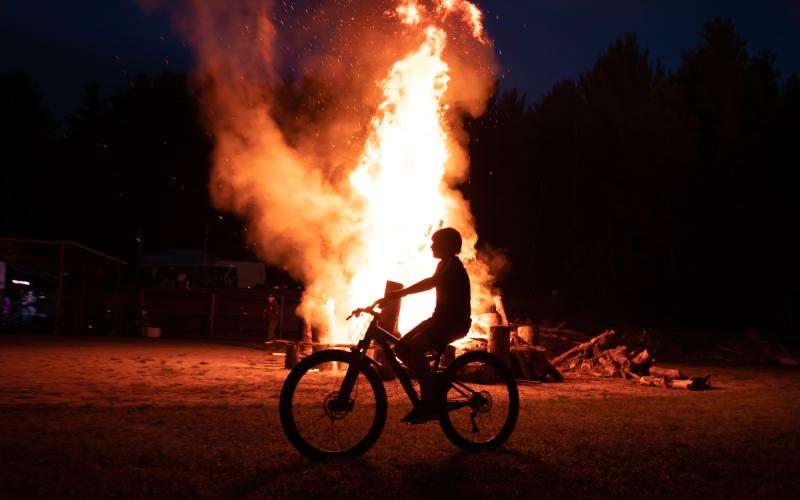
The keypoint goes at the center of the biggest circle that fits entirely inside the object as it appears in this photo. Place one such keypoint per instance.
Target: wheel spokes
(333, 423)
(477, 406)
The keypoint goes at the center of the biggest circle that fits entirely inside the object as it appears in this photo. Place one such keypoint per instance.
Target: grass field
(157, 418)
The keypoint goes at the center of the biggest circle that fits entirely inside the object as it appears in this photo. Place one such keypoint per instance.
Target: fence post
(60, 291)
(212, 314)
(280, 318)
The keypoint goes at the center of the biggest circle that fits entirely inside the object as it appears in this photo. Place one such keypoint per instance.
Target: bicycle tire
(305, 412)
(486, 374)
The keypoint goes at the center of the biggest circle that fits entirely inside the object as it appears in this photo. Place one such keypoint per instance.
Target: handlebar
(369, 310)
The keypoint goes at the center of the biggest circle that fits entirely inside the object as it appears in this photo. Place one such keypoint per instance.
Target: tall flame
(400, 176)
(344, 231)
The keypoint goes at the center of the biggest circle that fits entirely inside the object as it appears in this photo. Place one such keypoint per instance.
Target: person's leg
(271, 327)
(411, 350)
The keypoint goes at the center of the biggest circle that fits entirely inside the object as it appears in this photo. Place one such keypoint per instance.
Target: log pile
(602, 356)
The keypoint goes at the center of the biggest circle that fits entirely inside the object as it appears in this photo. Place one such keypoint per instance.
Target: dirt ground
(91, 417)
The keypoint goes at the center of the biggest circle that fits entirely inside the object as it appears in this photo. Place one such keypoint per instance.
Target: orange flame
(409, 12)
(344, 220)
(400, 174)
(469, 12)
(400, 177)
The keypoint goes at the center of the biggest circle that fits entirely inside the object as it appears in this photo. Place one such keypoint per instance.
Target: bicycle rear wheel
(315, 420)
(482, 401)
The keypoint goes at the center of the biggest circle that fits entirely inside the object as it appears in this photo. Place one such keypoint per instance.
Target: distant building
(57, 286)
(190, 268)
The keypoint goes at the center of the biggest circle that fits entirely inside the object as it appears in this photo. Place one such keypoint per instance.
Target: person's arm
(420, 286)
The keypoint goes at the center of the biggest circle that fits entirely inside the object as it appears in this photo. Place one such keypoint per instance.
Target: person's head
(446, 242)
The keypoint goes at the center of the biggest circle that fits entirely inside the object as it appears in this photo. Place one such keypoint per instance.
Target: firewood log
(641, 359)
(672, 373)
(572, 361)
(642, 362)
(651, 381)
(600, 339)
(680, 384)
(618, 356)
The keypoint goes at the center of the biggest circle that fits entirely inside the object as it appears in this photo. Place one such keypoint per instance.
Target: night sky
(63, 45)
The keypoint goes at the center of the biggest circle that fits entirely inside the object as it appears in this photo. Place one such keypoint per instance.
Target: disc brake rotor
(336, 409)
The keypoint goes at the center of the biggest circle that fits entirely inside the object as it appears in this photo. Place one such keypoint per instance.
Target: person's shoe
(424, 411)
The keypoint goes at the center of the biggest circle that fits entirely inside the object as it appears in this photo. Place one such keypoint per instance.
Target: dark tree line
(634, 193)
(121, 174)
(655, 197)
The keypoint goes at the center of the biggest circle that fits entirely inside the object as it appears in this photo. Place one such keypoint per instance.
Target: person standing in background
(5, 307)
(27, 307)
(273, 314)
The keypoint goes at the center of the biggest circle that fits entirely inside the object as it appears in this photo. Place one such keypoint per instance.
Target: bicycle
(333, 403)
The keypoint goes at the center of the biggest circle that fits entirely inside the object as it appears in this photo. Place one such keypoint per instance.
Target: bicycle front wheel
(321, 424)
(481, 401)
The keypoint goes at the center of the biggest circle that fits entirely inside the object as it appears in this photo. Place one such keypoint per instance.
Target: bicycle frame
(463, 384)
(384, 339)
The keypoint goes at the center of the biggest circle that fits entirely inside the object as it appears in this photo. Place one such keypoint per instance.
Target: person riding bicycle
(450, 320)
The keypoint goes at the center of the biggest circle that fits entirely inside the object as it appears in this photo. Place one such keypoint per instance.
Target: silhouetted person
(5, 307)
(28, 309)
(450, 320)
(272, 312)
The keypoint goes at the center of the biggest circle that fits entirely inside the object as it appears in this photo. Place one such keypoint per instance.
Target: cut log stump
(292, 356)
(389, 316)
(499, 342)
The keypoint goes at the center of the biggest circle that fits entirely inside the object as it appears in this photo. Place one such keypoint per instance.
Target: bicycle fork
(343, 401)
